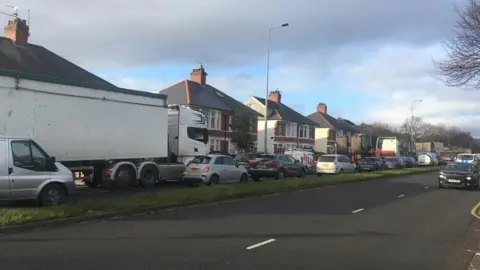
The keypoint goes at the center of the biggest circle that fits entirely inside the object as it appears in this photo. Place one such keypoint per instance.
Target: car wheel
(341, 171)
(280, 174)
(244, 178)
(302, 173)
(256, 178)
(52, 194)
(214, 180)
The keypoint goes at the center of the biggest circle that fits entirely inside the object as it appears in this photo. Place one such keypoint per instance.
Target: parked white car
(333, 164)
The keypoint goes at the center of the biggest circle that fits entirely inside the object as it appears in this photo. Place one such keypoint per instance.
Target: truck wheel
(52, 194)
(125, 177)
(149, 176)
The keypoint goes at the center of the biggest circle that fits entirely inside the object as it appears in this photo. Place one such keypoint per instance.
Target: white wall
(270, 134)
(321, 139)
(76, 123)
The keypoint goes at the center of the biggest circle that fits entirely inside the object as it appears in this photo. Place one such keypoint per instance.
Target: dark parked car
(410, 162)
(370, 164)
(459, 175)
(246, 159)
(276, 166)
(394, 162)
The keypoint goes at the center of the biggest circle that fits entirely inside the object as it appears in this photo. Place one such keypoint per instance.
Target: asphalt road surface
(401, 223)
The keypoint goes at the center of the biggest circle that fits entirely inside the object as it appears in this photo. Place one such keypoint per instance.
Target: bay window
(214, 145)
(214, 119)
(291, 130)
(304, 132)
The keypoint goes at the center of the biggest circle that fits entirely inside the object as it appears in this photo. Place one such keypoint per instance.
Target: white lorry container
(101, 134)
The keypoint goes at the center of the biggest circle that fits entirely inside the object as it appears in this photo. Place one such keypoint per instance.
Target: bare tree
(462, 66)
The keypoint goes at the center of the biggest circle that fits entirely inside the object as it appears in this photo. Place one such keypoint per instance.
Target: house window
(214, 145)
(304, 132)
(229, 123)
(340, 133)
(291, 130)
(214, 120)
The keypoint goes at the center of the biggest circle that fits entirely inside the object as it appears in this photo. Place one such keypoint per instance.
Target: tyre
(280, 174)
(244, 178)
(214, 180)
(149, 176)
(302, 173)
(52, 194)
(256, 178)
(341, 171)
(125, 177)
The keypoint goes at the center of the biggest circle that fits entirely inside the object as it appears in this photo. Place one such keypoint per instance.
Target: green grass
(184, 196)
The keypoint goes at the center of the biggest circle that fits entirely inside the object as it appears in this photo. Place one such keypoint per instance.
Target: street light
(268, 71)
(412, 143)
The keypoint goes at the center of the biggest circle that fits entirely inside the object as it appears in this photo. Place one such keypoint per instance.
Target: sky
(368, 60)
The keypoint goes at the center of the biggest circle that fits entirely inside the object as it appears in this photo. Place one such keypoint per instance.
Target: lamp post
(267, 74)
(412, 142)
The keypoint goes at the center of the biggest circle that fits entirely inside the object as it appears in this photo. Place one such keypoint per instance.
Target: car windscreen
(327, 159)
(264, 157)
(201, 160)
(458, 167)
(465, 157)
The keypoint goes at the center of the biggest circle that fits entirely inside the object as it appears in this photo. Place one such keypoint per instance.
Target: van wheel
(302, 173)
(52, 194)
(149, 176)
(125, 177)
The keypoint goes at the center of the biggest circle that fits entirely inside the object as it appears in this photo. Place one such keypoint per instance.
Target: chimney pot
(275, 96)
(199, 75)
(322, 108)
(18, 31)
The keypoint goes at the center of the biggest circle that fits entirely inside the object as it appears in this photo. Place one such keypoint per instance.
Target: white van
(332, 164)
(427, 159)
(27, 172)
(467, 158)
(307, 158)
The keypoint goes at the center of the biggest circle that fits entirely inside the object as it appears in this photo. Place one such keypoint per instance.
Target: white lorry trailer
(102, 134)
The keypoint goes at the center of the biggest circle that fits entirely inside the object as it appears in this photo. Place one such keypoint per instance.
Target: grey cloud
(121, 33)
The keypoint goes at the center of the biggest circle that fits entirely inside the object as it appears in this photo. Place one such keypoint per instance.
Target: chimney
(199, 75)
(322, 108)
(18, 31)
(275, 96)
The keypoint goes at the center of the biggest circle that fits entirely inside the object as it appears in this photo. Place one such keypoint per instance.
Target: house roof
(33, 62)
(346, 121)
(38, 60)
(327, 121)
(188, 92)
(281, 111)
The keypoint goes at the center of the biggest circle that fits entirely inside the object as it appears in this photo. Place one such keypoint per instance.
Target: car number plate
(325, 165)
(261, 166)
(453, 181)
(193, 169)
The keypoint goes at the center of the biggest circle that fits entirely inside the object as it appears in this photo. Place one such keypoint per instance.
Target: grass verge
(186, 196)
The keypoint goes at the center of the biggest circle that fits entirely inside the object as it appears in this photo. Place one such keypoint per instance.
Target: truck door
(28, 166)
(4, 181)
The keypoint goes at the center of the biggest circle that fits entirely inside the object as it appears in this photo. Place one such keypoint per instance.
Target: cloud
(120, 33)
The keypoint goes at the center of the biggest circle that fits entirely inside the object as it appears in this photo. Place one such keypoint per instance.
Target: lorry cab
(27, 172)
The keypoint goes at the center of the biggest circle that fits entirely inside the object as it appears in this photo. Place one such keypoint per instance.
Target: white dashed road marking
(261, 244)
(358, 210)
(402, 195)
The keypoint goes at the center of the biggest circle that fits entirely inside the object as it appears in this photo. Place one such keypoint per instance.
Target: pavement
(399, 223)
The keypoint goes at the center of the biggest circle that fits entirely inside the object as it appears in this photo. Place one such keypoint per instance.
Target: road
(401, 223)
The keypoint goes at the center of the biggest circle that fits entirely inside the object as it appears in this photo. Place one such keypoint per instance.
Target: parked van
(467, 158)
(427, 159)
(307, 158)
(329, 164)
(27, 172)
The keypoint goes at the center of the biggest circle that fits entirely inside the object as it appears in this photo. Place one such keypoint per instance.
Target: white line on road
(426, 187)
(358, 210)
(261, 244)
(402, 195)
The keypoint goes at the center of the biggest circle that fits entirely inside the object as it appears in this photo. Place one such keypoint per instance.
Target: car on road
(369, 164)
(459, 175)
(467, 158)
(334, 164)
(277, 166)
(410, 162)
(214, 169)
(394, 162)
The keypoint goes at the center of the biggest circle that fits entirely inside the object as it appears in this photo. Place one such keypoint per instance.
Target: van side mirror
(51, 163)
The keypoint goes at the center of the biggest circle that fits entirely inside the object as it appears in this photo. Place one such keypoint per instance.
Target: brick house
(217, 106)
(287, 129)
(328, 128)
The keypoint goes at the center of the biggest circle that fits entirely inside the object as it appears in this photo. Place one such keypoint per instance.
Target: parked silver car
(214, 169)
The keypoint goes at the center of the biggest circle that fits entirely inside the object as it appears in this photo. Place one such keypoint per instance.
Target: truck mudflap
(171, 171)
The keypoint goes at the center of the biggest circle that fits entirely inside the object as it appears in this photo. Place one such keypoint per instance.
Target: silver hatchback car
(214, 169)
